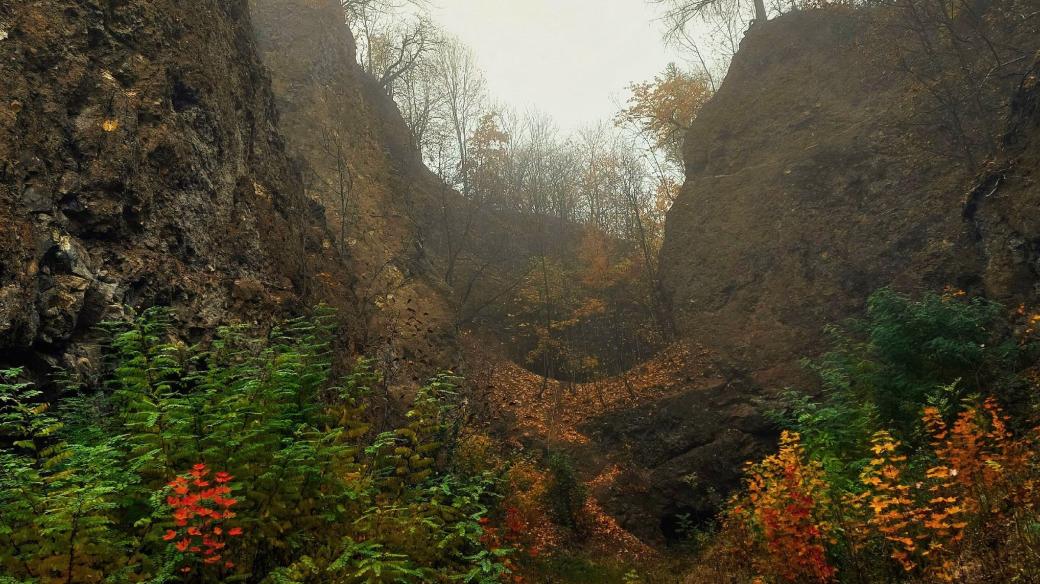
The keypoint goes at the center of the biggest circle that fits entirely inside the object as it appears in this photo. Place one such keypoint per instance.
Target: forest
(311, 291)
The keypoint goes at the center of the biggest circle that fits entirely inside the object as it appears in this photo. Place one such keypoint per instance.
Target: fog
(571, 59)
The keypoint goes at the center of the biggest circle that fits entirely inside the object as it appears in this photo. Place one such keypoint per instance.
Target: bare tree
(461, 85)
(420, 102)
(398, 50)
(334, 148)
(681, 13)
(389, 40)
(710, 31)
(595, 145)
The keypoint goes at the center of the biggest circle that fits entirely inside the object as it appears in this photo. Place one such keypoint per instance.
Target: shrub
(869, 493)
(239, 459)
(905, 353)
(201, 509)
(785, 508)
(566, 493)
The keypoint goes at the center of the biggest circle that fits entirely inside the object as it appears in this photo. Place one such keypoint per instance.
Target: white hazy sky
(572, 59)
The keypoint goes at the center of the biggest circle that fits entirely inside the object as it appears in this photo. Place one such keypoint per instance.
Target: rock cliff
(141, 164)
(360, 165)
(811, 182)
(1004, 208)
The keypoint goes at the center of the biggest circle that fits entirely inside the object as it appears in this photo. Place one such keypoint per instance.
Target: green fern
(320, 497)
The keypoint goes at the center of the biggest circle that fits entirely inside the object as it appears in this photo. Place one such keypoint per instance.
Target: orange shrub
(981, 477)
(917, 535)
(528, 517)
(785, 507)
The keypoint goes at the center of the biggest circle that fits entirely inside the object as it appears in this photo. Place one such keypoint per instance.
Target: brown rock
(810, 184)
(141, 143)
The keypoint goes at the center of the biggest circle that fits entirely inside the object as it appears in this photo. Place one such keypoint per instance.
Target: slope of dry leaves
(532, 411)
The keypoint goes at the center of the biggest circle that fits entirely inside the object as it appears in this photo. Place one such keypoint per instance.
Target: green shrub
(883, 368)
(566, 493)
(86, 494)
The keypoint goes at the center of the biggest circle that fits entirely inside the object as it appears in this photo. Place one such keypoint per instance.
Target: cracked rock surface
(140, 164)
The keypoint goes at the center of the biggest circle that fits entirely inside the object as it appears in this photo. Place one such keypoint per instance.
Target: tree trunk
(760, 11)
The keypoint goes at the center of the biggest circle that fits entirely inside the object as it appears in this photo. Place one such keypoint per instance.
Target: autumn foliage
(783, 507)
(666, 107)
(953, 498)
(980, 486)
(200, 506)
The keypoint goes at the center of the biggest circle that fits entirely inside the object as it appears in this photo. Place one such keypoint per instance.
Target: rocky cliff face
(141, 164)
(359, 163)
(810, 183)
(682, 455)
(1004, 209)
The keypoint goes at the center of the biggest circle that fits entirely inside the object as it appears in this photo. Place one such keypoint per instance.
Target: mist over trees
(619, 177)
(609, 182)
(443, 97)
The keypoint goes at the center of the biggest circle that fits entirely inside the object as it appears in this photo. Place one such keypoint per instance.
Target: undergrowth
(245, 459)
(920, 461)
(239, 460)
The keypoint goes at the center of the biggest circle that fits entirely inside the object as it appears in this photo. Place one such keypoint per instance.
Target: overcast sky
(572, 59)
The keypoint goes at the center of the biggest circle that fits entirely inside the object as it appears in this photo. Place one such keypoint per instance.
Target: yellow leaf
(110, 125)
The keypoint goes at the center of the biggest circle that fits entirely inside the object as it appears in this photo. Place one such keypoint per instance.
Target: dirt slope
(141, 164)
(667, 438)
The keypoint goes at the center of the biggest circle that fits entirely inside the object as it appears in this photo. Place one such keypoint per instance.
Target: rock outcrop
(360, 164)
(1004, 208)
(811, 182)
(681, 455)
(141, 164)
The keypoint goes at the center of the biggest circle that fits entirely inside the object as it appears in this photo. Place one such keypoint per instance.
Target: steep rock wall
(141, 164)
(1004, 209)
(810, 183)
(359, 162)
